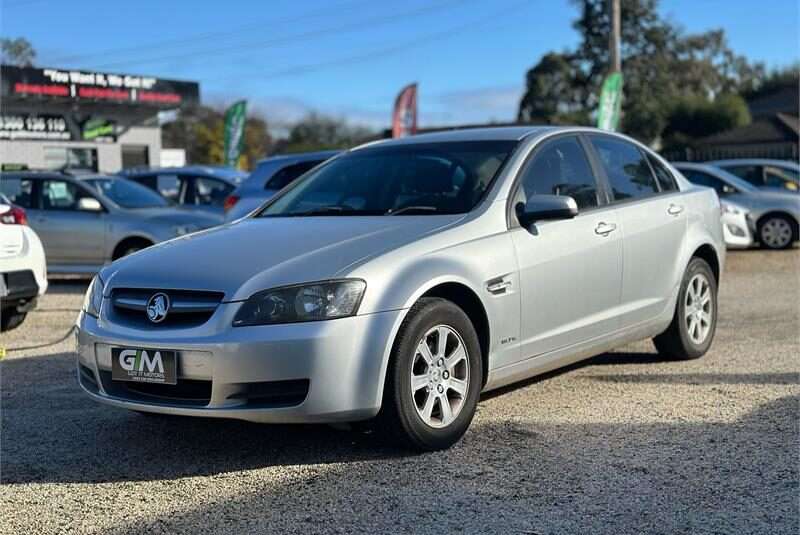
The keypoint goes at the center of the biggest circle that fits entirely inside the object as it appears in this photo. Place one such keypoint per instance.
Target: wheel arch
(127, 241)
(707, 252)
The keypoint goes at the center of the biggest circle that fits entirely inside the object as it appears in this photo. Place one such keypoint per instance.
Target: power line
(418, 41)
(343, 28)
(206, 36)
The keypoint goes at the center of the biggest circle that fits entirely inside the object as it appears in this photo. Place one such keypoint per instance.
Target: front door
(570, 270)
(69, 235)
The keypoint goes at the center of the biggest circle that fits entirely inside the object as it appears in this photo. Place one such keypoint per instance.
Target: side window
(61, 195)
(665, 179)
(18, 190)
(168, 186)
(290, 173)
(778, 178)
(561, 168)
(209, 191)
(628, 173)
(704, 179)
(751, 173)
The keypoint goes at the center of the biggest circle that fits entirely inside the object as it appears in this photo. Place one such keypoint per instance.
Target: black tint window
(211, 192)
(627, 170)
(289, 173)
(751, 173)
(665, 179)
(704, 179)
(561, 168)
(18, 190)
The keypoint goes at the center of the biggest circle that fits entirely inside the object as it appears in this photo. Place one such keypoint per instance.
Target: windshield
(126, 193)
(414, 179)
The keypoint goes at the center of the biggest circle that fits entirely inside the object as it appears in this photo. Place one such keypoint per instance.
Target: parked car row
(767, 215)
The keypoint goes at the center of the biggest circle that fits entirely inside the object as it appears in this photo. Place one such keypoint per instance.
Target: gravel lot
(624, 443)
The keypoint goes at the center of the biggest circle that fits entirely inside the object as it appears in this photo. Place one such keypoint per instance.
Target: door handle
(604, 229)
(674, 209)
(498, 286)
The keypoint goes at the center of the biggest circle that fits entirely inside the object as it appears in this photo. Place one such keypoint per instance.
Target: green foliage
(200, 131)
(318, 132)
(17, 51)
(661, 66)
(696, 117)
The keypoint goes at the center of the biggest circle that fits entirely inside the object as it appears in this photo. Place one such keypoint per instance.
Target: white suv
(23, 269)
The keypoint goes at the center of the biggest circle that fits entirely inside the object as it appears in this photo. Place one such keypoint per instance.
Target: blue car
(199, 187)
(269, 176)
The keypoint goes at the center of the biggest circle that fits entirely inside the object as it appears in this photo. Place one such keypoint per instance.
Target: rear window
(665, 179)
(18, 190)
(290, 173)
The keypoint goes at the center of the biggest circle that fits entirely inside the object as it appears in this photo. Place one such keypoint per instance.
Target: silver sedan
(398, 280)
(87, 222)
(750, 215)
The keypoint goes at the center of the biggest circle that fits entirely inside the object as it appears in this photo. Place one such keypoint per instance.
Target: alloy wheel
(440, 376)
(698, 309)
(776, 233)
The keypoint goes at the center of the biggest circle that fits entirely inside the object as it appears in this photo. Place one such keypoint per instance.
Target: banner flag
(610, 102)
(404, 118)
(234, 132)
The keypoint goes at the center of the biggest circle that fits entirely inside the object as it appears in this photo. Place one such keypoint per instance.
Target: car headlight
(94, 297)
(728, 208)
(303, 302)
(181, 230)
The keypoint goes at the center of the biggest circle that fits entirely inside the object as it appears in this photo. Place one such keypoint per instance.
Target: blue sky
(350, 57)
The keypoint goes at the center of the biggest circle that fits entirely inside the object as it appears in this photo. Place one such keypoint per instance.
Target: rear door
(654, 221)
(69, 235)
(570, 270)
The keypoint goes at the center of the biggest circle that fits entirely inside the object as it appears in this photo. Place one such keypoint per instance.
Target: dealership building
(76, 119)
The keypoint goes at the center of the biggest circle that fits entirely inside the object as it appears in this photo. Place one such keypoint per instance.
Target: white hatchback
(23, 268)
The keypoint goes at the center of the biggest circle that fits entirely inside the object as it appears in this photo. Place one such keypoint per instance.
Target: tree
(661, 65)
(693, 118)
(17, 51)
(318, 132)
(200, 131)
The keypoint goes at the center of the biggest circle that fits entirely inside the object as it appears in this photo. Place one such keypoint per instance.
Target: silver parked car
(400, 279)
(776, 175)
(271, 175)
(88, 221)
(750, 215)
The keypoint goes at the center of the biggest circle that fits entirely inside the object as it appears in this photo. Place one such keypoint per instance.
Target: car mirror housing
(89, 204)
(545, 207)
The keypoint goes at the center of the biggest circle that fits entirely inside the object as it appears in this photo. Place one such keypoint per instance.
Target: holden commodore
(399, 280)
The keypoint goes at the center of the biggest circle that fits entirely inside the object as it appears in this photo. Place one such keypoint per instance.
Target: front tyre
(434, 377)
(776, 232)
(692, 329)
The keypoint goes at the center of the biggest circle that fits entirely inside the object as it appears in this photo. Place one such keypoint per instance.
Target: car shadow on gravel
(52, 432)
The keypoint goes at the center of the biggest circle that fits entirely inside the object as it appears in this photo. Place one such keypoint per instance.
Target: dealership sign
(90, 86)
(50, 127)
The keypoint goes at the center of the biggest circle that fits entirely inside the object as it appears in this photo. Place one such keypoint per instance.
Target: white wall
(109, 155)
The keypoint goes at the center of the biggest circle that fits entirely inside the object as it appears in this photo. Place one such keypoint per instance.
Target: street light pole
(614, 38)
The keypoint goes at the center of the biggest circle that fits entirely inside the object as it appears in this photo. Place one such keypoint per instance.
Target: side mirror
(544, 207)
(89, 204)
(727, 189)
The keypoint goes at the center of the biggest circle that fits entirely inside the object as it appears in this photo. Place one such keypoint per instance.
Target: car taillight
(14, 216)
(230, 202)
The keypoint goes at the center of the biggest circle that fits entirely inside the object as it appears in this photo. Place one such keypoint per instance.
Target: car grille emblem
(158, 307)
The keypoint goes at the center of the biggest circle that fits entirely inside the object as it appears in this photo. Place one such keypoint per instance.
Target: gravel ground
(624, 443)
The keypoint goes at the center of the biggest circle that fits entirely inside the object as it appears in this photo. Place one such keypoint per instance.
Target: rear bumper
(329, 371)
(19, 289)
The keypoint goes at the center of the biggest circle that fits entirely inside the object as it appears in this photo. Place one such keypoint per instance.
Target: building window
(135, 156)
(70, 158)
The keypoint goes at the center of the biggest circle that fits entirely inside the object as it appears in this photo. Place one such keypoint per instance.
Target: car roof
(225, 173)
(500, 133)
(298, 157)
(34, 174)
(756, 161)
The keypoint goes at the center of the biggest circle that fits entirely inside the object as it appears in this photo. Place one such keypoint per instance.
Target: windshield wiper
(407, 209)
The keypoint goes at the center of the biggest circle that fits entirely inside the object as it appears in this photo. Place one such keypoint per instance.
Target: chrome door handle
(604, 229)
(674, 209)
(498, 286)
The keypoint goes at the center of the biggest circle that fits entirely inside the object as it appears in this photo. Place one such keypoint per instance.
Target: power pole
(614, 38)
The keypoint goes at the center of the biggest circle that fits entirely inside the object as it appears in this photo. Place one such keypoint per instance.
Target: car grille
(188, 308)
(186, 392)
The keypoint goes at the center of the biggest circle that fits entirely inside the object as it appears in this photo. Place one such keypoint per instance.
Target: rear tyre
(776, 232)
(434, 377)
(692, 329)
(11, 319)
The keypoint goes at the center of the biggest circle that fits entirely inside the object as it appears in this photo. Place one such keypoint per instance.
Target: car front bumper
(327, 371)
